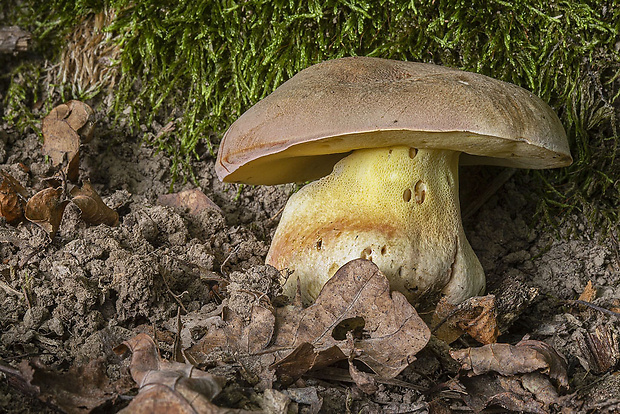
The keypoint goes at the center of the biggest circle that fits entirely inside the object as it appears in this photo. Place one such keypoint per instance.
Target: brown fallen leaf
(238, 335)
(527, 393)
(78, 391)
(169, 387)
(475, 316)
(391, 331)
(12, 198)
(526, 356)
(385, 330)
(94, 210)
(64, 128)
(516, 377)
(194, 201)
(45, 208)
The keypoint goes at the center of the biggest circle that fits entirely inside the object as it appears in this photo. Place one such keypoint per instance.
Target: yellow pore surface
(395, 206)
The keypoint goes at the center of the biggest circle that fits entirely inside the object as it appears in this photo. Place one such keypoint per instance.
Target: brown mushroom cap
(325, 111)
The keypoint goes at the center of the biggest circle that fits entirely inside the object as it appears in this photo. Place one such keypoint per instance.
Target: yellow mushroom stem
(398, 207)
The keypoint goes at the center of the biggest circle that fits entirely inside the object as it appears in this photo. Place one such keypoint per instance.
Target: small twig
(336, 374)
(593, 306)
(204, 273)
(26, 259)
(26, 355)
(272, 218)
(176, 297)
(227, 258)
(258, 296)
(10, 371)
(10, 290)
(26, 297)
(177, 351)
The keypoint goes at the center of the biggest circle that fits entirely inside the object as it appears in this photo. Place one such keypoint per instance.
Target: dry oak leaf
(63, 129)
(45, 208)
(237, 335)
(12, 198)
(387, 330)
(169, 387)
(94, 210)
(505, 359)
(194, 201)
(476, 316)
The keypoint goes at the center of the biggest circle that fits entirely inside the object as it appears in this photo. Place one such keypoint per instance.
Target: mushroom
(383, 140)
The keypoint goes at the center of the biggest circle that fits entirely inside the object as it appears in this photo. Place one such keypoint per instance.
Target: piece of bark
(13, 39)
(477, 316)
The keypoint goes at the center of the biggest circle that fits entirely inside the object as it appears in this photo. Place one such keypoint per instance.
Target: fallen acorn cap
(390, 135)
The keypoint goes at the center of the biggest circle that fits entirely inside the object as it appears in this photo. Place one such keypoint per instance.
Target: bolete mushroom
(386, 138)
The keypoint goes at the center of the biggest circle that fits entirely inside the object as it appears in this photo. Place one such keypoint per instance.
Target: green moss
(202, 63)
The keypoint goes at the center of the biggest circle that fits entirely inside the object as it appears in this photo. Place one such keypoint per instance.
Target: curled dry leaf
(517, 378)
(238, 335)
(169, 387)
(194, 201)
(526, 393)
(94, 210)
(63, 129)
(45, 208)
(524, 357)
(12, 198)
(475, 316)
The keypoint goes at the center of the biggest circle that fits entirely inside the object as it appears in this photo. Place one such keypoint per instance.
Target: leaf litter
(158, 259)
(64, 129)
(166, 387)
(291, 340)
(525, 377)
(13, 198)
